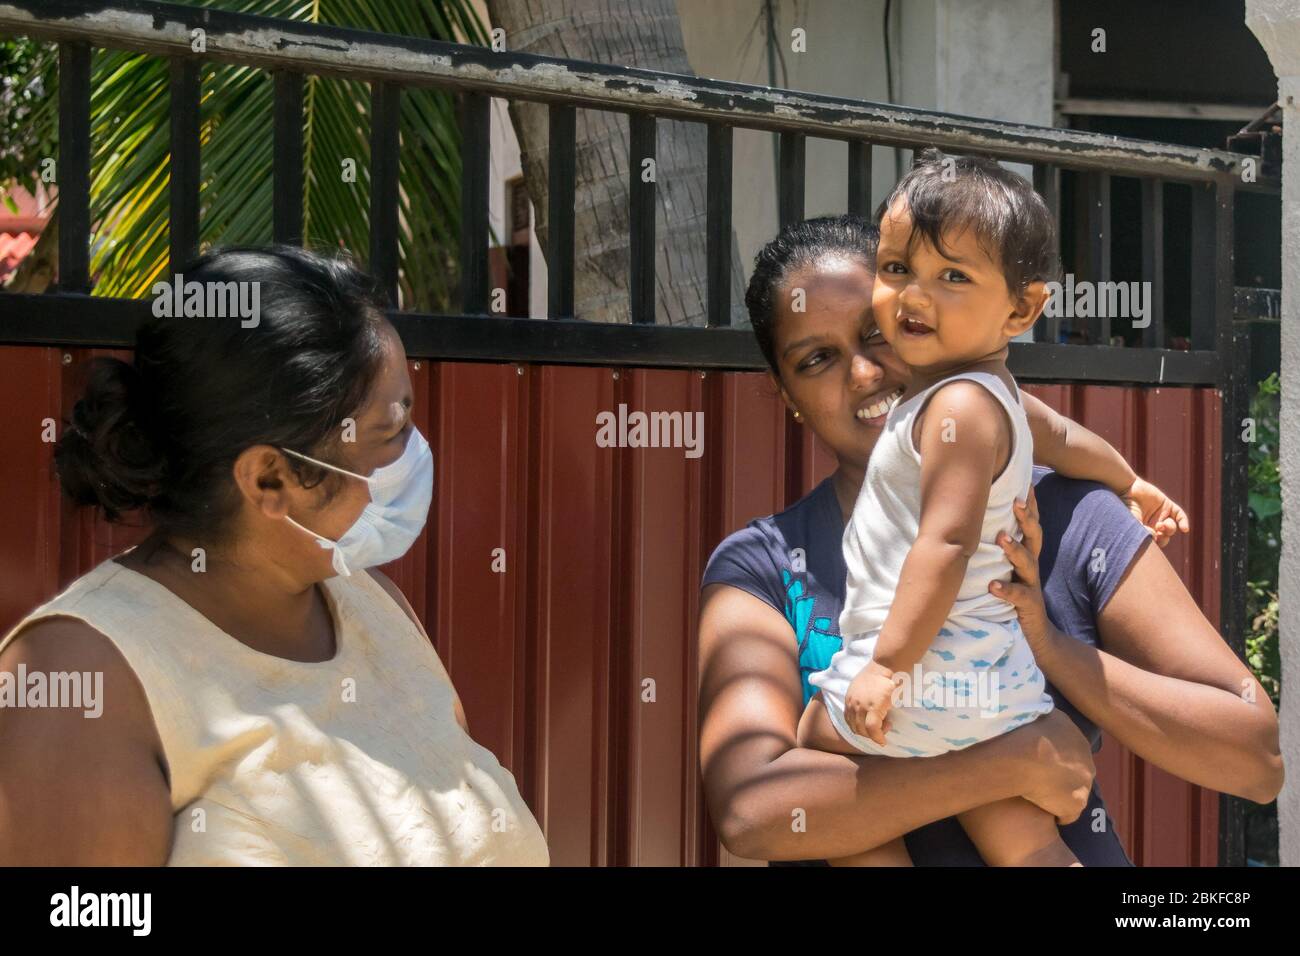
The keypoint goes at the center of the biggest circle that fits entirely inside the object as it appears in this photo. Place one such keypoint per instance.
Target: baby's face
(940, 311)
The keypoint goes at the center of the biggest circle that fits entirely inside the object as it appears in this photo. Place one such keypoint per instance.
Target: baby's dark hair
(161, 432)
(950, 193)
(798, 245)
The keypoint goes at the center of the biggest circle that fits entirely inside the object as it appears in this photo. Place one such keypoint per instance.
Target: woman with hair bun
(268, 697)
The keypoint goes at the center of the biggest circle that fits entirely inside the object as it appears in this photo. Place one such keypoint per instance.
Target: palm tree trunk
(650, 38)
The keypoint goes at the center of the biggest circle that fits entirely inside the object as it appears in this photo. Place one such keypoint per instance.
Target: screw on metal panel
(519, 370)
(703, 374)
(616, 374)
(416, 366)
(67, 358)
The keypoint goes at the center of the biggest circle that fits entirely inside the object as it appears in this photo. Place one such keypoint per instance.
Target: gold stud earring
(797, 416)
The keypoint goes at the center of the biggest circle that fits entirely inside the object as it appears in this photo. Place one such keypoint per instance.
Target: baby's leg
(816, 732)
(1015, 832)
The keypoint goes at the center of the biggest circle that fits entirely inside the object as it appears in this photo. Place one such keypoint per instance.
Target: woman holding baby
(899, 359)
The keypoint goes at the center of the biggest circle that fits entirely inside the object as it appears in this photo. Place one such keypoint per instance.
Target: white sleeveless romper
(978, 678)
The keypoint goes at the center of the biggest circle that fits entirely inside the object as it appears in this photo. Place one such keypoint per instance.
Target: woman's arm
(756, 779)
(1167, 687)
(78, 790)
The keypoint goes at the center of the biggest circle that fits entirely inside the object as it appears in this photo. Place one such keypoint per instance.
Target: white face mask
(400, 494)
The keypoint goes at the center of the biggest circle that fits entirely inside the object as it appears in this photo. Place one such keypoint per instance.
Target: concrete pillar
(1276, 23)
(994, 58)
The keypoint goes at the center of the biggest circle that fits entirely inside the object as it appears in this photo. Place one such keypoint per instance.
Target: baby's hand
(867, 703)
(1156, 510)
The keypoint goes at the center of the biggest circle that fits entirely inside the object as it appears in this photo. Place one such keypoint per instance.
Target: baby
(966, 249)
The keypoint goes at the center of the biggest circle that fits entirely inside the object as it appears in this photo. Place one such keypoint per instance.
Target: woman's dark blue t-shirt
(794, 562)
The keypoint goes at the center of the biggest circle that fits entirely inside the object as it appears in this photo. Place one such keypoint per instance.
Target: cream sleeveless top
(358, 760)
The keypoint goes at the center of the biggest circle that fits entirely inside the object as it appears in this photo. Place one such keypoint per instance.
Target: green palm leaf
(131, 153)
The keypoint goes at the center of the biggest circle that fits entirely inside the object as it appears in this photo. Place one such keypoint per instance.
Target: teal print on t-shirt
(816, 643)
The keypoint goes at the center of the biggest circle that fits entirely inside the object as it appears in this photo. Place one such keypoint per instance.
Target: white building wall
(1276, 23)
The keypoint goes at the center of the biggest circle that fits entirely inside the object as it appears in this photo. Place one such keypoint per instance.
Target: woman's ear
(264, 480)
(780, 390)
(1028, 306)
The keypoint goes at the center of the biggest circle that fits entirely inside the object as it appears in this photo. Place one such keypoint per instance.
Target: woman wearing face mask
(268, 697)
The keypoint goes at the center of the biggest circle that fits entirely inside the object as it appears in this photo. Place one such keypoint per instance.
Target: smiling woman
(1124, 649)
(269, 697)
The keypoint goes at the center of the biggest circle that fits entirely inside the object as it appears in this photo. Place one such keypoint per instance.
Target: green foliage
(1265, 539)
(24, 66)
(130, 159)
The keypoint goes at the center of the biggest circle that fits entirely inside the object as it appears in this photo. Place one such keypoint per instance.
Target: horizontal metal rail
(278, 44)
(92, 322)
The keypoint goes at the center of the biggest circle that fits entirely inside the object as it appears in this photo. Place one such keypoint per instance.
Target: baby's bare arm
(964, 436)
(1064, 445)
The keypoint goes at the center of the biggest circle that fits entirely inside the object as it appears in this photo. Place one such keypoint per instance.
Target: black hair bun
(106, 456)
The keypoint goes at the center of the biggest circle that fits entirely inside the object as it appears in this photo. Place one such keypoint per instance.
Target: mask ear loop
(324, 464)
(336, 557)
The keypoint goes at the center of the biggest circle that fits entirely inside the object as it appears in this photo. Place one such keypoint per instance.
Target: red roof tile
(14, 247)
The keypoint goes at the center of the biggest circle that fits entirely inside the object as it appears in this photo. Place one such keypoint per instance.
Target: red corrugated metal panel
(30, 380)
(573, 576)
(657, 605)
(1170, 436)
(603, 550)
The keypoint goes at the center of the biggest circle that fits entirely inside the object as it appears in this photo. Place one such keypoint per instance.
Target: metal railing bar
(1153, 259)
(287, 174)
(561, 182)
(641, 217)
(184, 173)
(475, 170)
(1098, 224)
(790, 180)
(385, 140)
(1211, 267)
(1047, 183)
(102, 322)
(272, 43)
(860, 179)
(73, 167)
(718, 225)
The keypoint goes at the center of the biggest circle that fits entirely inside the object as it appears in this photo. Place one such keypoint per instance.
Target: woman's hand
(1158, 513)
(1057, 769)
(1025, 591)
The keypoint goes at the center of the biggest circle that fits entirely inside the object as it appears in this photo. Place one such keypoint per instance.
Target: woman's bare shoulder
(83, 780)
(60, 644)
